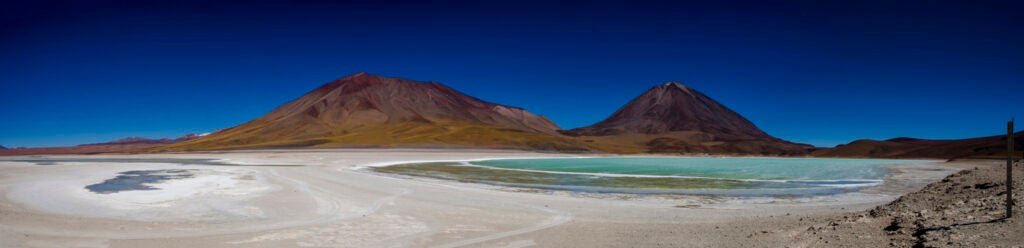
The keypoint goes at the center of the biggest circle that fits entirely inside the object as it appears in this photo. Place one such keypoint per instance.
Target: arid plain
(325, 198)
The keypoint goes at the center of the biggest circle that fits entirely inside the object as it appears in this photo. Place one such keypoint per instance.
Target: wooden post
(1009, 169)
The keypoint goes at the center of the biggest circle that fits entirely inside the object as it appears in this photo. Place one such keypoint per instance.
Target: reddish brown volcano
(675, 118)
(364, 100)
(370, 110)
(673, 107)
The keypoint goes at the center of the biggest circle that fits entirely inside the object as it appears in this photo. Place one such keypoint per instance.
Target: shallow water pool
(683, 175)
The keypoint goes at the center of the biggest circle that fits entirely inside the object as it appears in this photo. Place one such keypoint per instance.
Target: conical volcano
(675, 118)
(370, 110)
(673, 107)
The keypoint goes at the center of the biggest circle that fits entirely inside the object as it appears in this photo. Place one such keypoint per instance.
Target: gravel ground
(965, 209)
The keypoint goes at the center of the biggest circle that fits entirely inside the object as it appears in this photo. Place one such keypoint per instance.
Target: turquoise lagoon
(671, 175)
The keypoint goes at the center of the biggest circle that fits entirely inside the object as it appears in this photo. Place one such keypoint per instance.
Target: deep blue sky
(819, 72)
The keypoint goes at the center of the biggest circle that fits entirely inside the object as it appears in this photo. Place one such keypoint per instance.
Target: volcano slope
(673, 118)
(369, 110)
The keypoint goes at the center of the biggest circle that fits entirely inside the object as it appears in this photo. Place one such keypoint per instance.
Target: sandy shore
(327, 201)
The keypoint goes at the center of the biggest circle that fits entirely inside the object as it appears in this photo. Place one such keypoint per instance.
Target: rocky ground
(965, 209)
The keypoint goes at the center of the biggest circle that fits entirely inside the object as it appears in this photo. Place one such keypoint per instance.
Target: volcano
(672, 118)
(370, 110)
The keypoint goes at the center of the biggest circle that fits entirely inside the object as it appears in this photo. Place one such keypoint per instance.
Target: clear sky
(818, 72)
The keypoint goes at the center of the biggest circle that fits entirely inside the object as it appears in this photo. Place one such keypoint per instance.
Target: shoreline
(325, 202)
(893, 183)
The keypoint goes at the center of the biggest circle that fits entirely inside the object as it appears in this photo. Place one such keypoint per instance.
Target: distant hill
(124, 145)
(984, 147)
(673, 118)
(141, 141)
(3, 148)
(371, 110)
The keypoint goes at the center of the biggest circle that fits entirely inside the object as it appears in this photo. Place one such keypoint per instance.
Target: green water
(714, 176)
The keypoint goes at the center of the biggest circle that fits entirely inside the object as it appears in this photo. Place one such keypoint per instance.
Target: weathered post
(1009, 169)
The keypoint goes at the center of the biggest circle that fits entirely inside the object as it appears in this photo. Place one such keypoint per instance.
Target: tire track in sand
(560, 217)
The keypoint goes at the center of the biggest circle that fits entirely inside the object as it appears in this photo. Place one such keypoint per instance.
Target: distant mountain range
(125, 145)
(984, 147)
(365, 110)
(370, 110)
(142, 141)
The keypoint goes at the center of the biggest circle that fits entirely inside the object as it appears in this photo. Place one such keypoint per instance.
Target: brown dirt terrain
(965, 209)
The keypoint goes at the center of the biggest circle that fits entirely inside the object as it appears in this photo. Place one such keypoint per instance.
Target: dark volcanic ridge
(983, 147)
